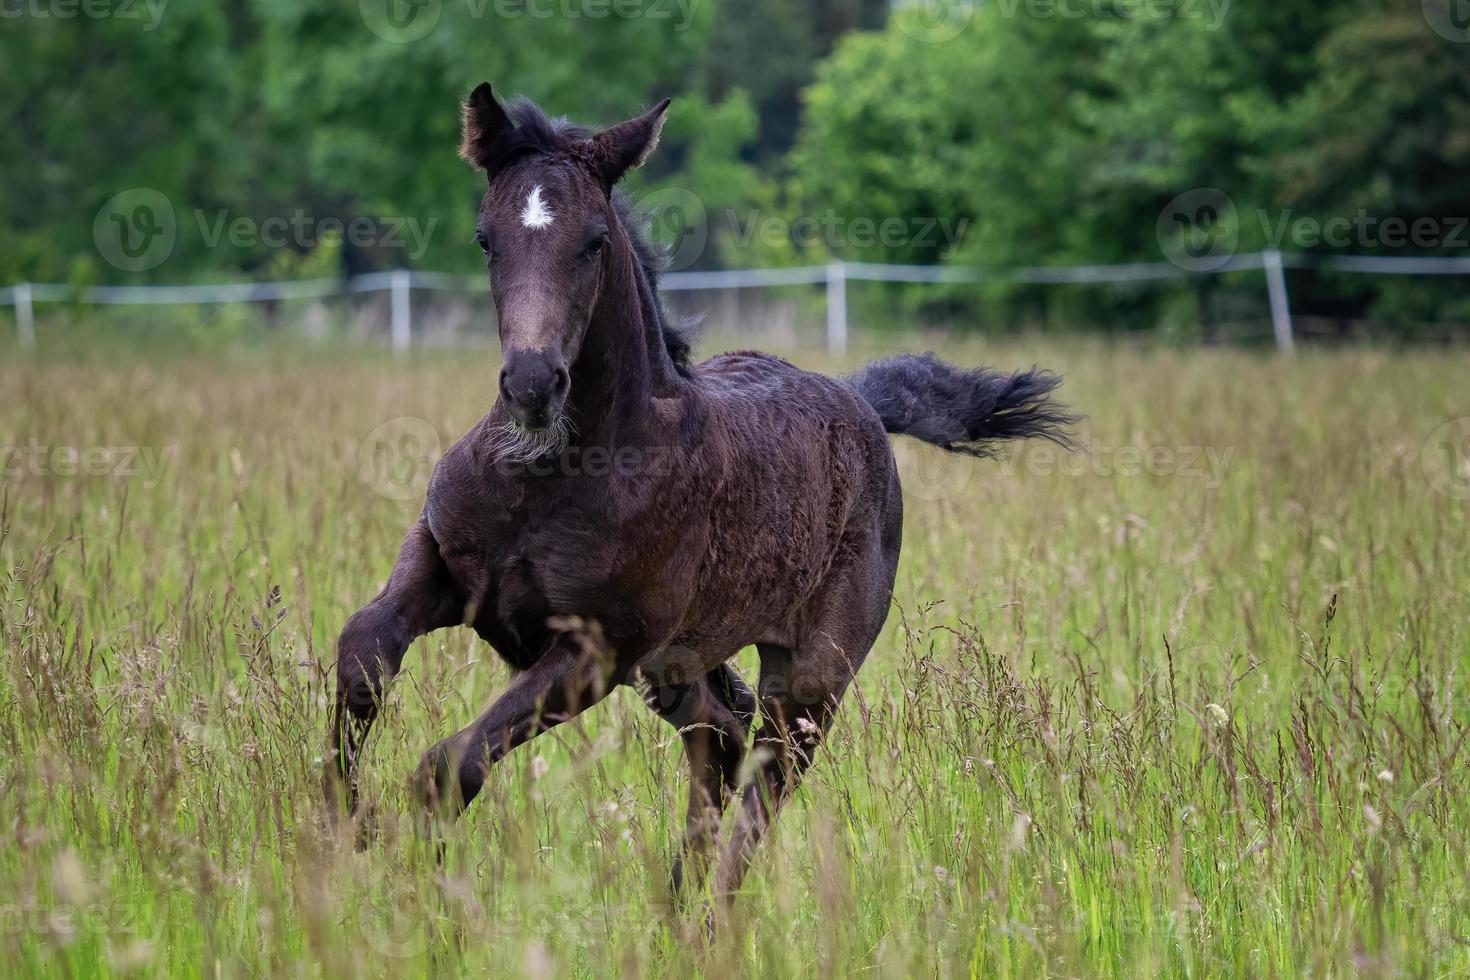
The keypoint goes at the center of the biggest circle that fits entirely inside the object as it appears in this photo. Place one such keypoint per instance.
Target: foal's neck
(624, 363)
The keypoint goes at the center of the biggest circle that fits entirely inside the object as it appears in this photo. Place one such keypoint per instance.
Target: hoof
(443, 786)
(435, 783)
(368, 828)
(706, 924)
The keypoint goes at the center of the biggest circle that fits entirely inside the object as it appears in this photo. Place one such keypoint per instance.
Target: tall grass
(1189, 703)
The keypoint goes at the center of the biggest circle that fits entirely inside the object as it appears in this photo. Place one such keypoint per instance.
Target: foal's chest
(526, 552)
(524, 580)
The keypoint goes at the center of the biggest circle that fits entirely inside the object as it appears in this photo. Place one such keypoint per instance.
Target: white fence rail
(400, 283)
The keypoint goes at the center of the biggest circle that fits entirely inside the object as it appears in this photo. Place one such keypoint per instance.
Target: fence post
(399, 287)
(1280, 301)
(25, 316)
(837, 309)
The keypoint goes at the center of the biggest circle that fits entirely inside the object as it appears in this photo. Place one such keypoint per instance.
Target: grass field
(1191, 702)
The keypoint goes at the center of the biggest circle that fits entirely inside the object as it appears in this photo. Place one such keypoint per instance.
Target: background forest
(1018, 132)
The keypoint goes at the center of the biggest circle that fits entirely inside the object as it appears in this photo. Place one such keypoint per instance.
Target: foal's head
(545, 224)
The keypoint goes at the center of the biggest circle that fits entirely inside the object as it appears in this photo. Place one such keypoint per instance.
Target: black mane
(536, 132)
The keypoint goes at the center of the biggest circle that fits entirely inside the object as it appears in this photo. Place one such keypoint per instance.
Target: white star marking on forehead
(536, 214)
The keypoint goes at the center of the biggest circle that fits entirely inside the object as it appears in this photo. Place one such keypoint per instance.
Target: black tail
(964, 411)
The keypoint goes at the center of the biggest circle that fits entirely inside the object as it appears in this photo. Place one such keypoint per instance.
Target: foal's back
(806, 483)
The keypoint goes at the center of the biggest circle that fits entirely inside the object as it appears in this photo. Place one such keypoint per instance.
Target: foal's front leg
(567, 680)
(418, 599)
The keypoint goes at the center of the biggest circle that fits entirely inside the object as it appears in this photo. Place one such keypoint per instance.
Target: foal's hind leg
(800, 688)
(713, 715)
(417, 600)
(797, 706)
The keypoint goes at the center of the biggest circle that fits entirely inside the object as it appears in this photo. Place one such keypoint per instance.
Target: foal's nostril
(561, 381)
(504, 388)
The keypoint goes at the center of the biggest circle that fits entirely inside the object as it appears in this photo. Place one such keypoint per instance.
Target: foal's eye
(594, 247)
(483, 242)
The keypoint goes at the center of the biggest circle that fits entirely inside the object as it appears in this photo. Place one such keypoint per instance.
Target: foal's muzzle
(535, 387)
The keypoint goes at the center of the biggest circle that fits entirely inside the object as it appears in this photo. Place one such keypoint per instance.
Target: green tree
(1064, 139)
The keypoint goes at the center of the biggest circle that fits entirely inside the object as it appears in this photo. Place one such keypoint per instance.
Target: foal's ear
(627, 146)
(484, 126)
